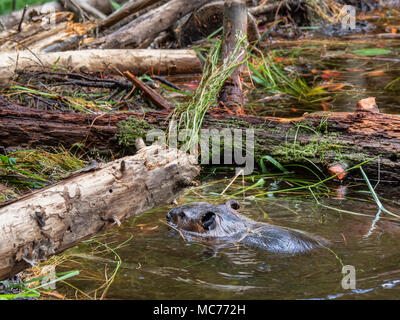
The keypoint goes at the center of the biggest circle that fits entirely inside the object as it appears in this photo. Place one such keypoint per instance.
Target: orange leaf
(329, 74)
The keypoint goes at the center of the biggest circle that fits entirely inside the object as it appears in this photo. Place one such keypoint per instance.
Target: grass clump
(190, 115)
(34, 168)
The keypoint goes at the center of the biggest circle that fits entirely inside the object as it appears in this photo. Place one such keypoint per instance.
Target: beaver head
(209, 220)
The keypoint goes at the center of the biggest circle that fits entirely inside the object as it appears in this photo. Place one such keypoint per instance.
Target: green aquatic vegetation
(272, 78)
(34, 168)
(368, 52)
(80, 102)
(190, 115)
(25, 291)
(393, 85)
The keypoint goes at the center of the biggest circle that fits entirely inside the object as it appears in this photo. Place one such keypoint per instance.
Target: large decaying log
(55, 218)
(323, 138)
(138, 61)
(140, 32)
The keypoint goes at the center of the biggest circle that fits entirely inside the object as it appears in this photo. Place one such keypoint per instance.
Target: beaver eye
(233, 204)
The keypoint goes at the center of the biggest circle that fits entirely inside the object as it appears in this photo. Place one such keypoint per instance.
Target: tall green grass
(190, 115)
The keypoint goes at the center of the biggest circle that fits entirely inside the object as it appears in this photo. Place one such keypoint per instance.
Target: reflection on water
(159, 264)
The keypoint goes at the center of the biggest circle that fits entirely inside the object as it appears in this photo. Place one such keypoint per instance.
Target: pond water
(158, 264)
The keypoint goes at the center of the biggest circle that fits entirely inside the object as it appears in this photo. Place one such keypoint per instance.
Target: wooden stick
(22, 19)
(153, 96)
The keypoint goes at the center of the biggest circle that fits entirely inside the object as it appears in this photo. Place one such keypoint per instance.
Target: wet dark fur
(215, 224)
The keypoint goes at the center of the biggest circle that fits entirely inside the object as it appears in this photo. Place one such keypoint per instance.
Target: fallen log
(85, 8)
(323, 138)
(55, 218)
(45, 32)
(138, 61)
(140, 32)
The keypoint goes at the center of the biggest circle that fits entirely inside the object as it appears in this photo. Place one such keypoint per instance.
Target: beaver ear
(208, 220)
(233, 204)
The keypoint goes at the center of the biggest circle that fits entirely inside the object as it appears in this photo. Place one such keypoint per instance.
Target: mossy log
(55, 218)
(323, 138)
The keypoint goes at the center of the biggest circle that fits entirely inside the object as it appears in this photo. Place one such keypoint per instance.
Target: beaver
(221, 224)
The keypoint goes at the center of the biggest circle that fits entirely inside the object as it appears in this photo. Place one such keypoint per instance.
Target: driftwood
(85, 8)
(141, 32)
(129, 8)
(323, 138)
(55, 218)
(50, 32)
(272, 7)
(138, 61)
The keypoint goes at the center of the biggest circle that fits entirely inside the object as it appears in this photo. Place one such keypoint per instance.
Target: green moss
(131, 129)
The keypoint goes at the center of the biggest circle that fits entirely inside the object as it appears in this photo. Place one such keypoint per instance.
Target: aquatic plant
(25, 289)
(33, 168)
(271, 77)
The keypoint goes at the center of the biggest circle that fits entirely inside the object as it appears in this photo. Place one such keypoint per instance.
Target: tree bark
(235, 26)
(323, 138)
(55, 218)
(205, 21)
(141, 31)
(138, 61)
